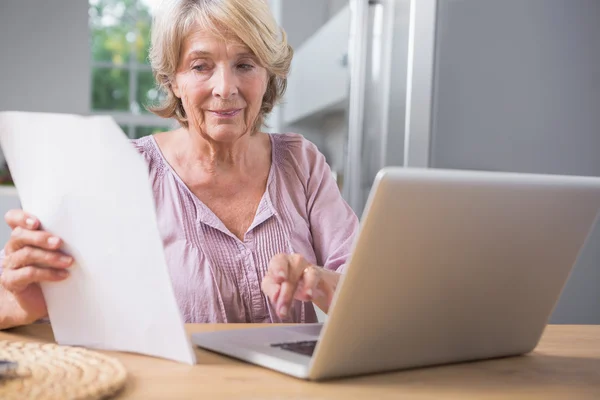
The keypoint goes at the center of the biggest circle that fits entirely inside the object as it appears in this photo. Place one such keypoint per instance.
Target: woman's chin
(226, 134)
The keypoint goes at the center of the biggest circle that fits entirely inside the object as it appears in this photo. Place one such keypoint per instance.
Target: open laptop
(448, 266)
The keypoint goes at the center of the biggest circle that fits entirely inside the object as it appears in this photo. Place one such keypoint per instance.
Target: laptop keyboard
(306, 347)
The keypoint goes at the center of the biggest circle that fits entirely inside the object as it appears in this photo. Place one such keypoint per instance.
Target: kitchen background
(506, 85)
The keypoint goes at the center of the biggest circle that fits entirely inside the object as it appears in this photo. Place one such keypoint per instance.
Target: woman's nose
(225, 84)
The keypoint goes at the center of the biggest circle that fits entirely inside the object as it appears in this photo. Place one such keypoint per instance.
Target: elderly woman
(253, 224)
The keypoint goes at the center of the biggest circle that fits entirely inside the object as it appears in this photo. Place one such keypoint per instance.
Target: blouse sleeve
(333, 223)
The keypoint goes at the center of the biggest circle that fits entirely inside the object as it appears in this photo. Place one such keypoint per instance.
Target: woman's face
(221, 85)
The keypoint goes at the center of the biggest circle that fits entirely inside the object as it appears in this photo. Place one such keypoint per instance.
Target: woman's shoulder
(293, 150)
(147, 148)
(294, 142)
(143, 145)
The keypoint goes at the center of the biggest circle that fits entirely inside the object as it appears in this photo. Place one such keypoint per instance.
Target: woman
(253, 225)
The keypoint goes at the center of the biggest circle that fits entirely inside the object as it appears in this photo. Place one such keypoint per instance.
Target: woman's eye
(200, 68)
(245, 67)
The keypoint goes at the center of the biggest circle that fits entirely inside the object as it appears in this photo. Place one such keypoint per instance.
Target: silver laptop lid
(453, 266)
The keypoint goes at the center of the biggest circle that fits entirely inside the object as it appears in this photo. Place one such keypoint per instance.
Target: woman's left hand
(291, 277)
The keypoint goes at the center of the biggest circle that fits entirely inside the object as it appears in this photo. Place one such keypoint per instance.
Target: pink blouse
(216, 277)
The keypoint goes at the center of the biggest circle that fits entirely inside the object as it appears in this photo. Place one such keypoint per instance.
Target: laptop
(448, 266)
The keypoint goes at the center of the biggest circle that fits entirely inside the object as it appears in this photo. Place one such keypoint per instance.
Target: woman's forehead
(208, 40)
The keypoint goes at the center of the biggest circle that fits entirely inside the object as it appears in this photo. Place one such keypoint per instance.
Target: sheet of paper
(88, 185)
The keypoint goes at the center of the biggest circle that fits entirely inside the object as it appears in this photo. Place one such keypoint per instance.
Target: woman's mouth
(226, 113)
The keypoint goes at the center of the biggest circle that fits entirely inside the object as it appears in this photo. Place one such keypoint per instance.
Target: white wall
(45, 56)
(336, 5)
(300, 19)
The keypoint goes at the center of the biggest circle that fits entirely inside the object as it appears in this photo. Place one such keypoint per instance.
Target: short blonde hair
(249, 21)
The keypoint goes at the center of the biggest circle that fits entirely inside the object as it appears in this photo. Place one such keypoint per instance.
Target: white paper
(88, 185)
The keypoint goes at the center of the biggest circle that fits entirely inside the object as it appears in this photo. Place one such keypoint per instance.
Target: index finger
(296, 265)
(19, 218)
(279, 268)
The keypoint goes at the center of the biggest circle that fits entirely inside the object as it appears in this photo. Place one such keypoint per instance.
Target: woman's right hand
(31, 256)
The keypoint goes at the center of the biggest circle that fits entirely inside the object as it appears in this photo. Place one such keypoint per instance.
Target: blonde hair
(249, 21)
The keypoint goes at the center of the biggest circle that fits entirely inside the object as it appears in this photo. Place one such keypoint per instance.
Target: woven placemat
(51, 371)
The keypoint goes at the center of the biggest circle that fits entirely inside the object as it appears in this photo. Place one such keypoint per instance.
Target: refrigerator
(505, 85)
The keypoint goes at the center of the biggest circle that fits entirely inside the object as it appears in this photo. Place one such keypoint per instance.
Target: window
(122, 81)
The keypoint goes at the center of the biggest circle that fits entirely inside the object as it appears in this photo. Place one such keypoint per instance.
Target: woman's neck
(204, 162)
(216, 157)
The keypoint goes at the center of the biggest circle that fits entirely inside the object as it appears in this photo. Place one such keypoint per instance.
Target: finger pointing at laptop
(291, 277)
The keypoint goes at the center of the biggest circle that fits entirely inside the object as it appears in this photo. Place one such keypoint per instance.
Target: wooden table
(565, 365)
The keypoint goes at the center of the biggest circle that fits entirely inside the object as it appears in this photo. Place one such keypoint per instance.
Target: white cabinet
(318, 80)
